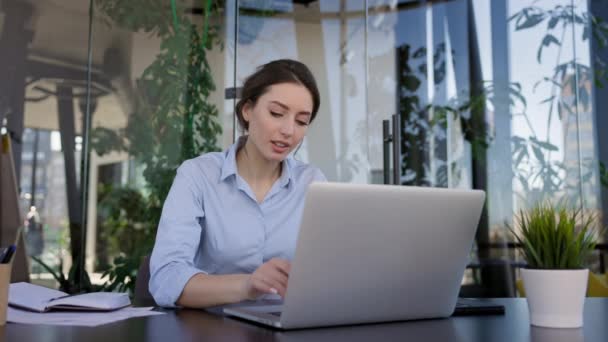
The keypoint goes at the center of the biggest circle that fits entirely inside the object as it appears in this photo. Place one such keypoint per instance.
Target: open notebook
(41, 299)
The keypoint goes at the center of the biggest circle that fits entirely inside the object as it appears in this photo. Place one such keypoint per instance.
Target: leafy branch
(603, 174)
(173, 120)
(71, 283)
(558, 20)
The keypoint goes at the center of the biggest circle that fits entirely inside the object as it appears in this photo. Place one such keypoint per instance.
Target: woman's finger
(282, 265)
(267, 285)
(274, 275)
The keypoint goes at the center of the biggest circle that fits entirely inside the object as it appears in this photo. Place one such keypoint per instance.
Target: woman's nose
(287, 127)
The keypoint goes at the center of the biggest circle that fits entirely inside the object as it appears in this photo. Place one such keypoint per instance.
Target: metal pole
(85, 156)
(34, 167)
(396, 149)
(386, 141)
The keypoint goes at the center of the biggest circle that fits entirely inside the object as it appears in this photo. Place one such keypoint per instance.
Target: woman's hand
(270, 277)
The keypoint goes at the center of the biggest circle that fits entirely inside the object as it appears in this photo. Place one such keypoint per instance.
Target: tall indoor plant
(173, 120)
(556, 244)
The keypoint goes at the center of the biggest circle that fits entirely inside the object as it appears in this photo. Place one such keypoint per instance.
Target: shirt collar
(229, 165)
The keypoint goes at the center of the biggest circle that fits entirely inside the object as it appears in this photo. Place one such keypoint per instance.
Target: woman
(230, 222)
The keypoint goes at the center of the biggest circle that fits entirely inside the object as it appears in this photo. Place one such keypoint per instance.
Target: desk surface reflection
(191, 325)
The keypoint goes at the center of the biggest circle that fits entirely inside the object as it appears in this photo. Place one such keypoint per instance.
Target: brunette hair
(275, 72)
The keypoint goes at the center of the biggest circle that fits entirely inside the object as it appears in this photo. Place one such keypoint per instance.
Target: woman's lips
(279, 146)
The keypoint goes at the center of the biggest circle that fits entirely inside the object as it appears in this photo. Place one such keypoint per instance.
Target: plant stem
(174, 11)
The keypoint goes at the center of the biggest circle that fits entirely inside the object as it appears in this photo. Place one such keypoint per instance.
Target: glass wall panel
(499, 95)
(599, 58)
(491, 95)
(329, 37)
(170, 69)
(43, 59)
(538, 80)
(44, 201)
(589, 73)
(419, 69)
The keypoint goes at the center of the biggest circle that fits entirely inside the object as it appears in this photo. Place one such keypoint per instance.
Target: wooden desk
(190, 325)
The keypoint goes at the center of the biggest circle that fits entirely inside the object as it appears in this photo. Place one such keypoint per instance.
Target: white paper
(88, 319)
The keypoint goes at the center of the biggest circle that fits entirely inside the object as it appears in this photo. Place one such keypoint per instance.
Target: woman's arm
(205, 290)
(178, 236)
(175, 279)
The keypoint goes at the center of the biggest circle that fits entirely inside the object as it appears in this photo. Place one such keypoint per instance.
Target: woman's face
(279, 120)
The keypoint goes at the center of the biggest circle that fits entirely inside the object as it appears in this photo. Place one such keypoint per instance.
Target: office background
(104, 99)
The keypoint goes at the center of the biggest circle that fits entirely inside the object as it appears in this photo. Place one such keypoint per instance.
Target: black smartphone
(477, 306)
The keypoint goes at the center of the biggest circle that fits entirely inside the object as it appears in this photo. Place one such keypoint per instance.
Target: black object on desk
(7, 254)
(477, 306)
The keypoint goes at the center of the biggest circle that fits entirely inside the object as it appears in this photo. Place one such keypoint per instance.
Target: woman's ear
(246, 111)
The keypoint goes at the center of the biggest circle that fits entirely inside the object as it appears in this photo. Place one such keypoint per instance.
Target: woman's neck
(257, 171)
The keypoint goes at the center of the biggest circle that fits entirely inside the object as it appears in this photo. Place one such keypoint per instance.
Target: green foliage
(421, 121)
(150, 16)
(173, 121)
(71, 283)
(555, 237)
(123, 274)
(128, 222)
(603, 174)
(539, 175)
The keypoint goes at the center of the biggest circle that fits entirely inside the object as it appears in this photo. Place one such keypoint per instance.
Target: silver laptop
(375, 253)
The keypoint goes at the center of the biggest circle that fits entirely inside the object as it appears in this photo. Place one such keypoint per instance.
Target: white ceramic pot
(556, 297)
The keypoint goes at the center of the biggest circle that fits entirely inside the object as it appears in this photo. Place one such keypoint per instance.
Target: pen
(6, 258)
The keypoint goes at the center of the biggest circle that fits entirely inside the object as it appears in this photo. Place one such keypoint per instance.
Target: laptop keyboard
(276, 313)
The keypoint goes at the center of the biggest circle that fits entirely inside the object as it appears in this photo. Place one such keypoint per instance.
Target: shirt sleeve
(178, 237)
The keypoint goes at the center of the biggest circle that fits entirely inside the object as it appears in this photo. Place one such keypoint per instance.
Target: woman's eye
(302, 123)
(276, 115)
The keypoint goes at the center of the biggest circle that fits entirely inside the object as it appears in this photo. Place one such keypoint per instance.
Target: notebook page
(32, 297)
(94, 300)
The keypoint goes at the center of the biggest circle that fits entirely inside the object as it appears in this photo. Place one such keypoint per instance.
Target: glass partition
(43, 63)
(419, 69)
(329, 37)
(503, 95)
(491, 95)
(170, 66)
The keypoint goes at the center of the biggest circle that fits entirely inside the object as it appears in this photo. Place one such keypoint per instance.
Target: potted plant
(556, 242)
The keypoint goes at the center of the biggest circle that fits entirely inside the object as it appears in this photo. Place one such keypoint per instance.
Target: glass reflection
(168, 69)
(329, 37)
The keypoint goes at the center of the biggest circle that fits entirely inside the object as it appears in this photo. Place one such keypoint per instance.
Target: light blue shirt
(211, 222)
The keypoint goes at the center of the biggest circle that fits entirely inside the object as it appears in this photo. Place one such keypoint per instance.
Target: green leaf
(56, 274)
(548, 100)
(528, 21)
(538, 154)
(554, 237)
(410, 82)
(547, 40)
(603, 174)
(552, 22)
(544, 144)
